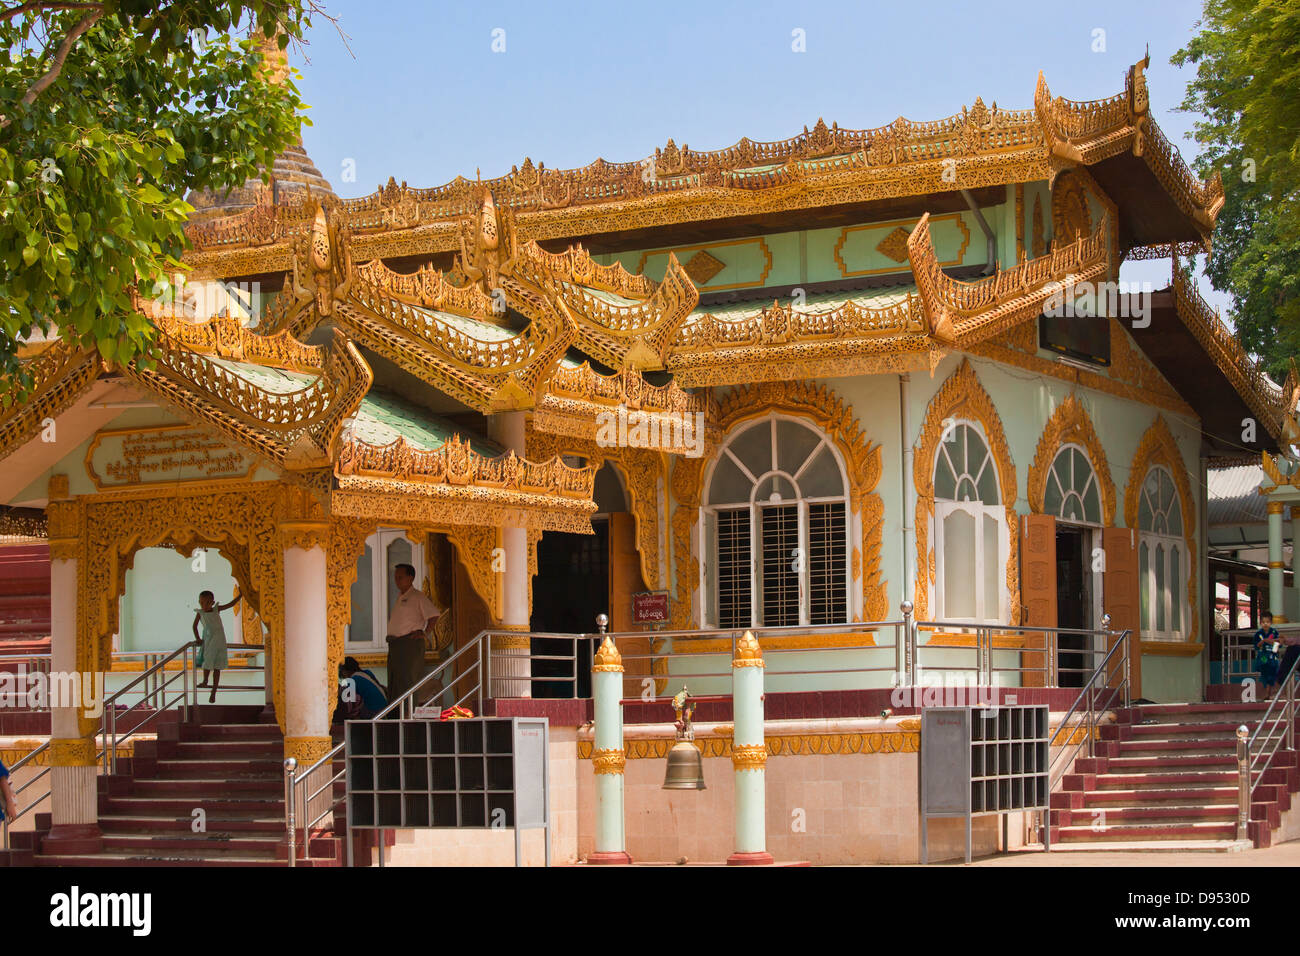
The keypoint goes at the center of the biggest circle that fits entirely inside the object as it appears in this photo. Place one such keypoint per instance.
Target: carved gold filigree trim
(962, 397)
(748, 756)
(72, 752)
(1071, 425)
(611, 760)
(907, 740)
(863, 463)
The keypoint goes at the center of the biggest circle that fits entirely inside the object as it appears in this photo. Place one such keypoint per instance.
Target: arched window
(1163, 562)
(1072, 493)
(970, 529)
(776, 529)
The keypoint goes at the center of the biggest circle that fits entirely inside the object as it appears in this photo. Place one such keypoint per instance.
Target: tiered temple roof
(508, 324)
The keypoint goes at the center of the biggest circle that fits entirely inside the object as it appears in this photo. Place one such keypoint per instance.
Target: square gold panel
(702, 267)
(894, 245)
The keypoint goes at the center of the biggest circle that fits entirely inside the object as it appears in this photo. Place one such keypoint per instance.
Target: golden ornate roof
(824, 166)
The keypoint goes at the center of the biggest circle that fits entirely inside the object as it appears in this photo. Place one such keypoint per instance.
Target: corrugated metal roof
(1233, 499)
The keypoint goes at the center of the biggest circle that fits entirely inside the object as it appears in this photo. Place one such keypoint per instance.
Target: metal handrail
(1255, 753)
(404, 705)
(1088, 693)
(109, 736)
(1089, 717)
(1234, 651)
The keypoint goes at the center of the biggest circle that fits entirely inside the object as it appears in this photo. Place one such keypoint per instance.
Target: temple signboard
(174, 453)
(650, 607)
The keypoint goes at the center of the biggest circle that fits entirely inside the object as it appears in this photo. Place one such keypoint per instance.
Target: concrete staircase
(226, 763)
(1165, 778)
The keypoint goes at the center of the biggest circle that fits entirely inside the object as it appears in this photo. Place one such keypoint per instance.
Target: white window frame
(708, 548)
(978, 511)
(1171, 543)
(382, 587)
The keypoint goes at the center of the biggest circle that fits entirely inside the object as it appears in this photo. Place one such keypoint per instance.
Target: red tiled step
(1171, 762)
(216, 824)
(214, 788)
(208, 768)
(1174, 797)
(199, 844)
(138, 860)
(223, 804)
(1146, 831)
(1131, 781)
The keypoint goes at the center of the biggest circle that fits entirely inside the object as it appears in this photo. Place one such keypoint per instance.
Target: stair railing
(152, 683)
(1107, 688)
(1255, 753)
(472, 659)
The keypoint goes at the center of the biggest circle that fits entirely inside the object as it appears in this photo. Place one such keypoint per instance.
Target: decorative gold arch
(1158, 447)
(828, 412)
(104, 532)
(643, 471)
(1070, 425)
(962, 396)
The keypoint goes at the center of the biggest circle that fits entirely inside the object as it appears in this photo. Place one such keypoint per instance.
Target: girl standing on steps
(213, 642)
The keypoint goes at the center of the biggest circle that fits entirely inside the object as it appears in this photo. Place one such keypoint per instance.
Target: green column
(1276, 578)
(749, 754)
(607, 757)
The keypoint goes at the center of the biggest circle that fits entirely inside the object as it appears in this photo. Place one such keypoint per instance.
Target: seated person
(1267, 662)
(361, 696)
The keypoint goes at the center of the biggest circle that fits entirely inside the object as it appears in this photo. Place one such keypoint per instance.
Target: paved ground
(1287, 854)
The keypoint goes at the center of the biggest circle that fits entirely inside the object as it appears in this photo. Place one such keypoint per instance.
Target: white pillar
(608, 760)
(749, 754)
(74, 806)
(511, 666)
(1276, 579)
(307, 703)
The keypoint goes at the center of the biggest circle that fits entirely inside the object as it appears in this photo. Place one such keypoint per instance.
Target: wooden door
(624, 581)
(1037, 591)
(1120, 595)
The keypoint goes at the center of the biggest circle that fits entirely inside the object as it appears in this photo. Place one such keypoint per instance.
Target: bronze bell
(685, 765)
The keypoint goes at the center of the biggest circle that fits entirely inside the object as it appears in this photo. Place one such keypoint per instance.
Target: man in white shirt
(410, 623)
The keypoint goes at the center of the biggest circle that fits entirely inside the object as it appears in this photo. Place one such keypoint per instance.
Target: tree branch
(52, 74)
(47, 6)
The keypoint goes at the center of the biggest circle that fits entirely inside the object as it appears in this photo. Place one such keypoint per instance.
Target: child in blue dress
(213, 657)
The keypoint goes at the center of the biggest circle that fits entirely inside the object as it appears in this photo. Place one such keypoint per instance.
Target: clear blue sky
(422, 97)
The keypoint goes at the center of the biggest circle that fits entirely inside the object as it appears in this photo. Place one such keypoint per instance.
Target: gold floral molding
(748, 756)
(1087, 133)
(455, 463)
(863, 462)
(963, 313)
(297, 430)
(779, 341)
(611, 760)
(1159, 448)
(1262, 396)
(903, 741)
(962, 397)
(1070, 425)
(644, 474)
(58, 377)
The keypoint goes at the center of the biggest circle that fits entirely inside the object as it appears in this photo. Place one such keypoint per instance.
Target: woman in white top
(213, 655)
